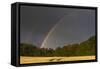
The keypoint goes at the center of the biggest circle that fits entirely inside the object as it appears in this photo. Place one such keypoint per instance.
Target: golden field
(26, 60)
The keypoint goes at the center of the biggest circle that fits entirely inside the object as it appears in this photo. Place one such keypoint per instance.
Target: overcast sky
(58, 26)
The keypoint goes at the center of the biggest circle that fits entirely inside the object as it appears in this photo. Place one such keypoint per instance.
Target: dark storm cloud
(74, 25)
(36, 22)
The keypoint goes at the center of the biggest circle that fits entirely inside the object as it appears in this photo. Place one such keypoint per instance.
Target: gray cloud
(76, 25)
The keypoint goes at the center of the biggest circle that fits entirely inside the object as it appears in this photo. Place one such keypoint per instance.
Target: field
(26, 60)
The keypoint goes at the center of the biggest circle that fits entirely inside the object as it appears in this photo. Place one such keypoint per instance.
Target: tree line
(84, 48)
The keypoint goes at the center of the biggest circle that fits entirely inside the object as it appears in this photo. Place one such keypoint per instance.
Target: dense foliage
(82, 49)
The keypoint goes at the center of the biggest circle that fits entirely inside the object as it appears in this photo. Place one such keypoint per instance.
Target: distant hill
(83, 49)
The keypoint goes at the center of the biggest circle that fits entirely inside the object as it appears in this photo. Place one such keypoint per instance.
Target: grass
(26, 60)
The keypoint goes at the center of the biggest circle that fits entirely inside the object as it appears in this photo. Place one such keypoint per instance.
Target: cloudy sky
(52, 27)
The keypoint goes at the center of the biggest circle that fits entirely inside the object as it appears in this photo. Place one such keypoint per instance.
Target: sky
(55, 27)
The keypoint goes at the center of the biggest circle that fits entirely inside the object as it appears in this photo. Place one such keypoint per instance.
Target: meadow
(26, 60)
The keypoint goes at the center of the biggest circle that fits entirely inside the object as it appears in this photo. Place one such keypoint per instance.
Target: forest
(85, 48)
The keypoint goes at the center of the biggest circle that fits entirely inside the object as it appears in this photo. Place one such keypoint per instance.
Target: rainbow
(50, 32)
